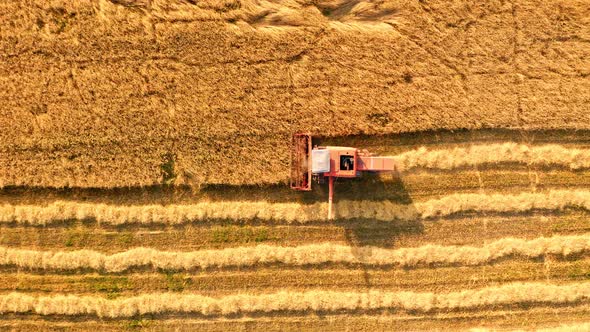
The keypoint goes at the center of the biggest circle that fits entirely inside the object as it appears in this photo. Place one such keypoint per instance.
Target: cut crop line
(551, 154)
(292, 212)
(319, 300)
(580, 327)
(313, 254)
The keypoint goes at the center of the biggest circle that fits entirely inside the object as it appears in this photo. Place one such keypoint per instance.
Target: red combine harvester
(319, 162)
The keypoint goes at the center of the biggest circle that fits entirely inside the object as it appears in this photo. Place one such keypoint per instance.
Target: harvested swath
(568, 327)
(292, 212)
(562, 328)
(300, 255)
(551, 154)
(292, 301)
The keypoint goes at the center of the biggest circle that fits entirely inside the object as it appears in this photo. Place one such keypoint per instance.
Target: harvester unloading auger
(319, 162)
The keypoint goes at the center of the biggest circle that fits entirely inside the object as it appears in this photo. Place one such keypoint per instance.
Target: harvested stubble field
(480, 229)
(144, 155)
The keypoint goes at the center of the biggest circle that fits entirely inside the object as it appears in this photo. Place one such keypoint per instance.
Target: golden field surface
(144, 161)
(122, 93)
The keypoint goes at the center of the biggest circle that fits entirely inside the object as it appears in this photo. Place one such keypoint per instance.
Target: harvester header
(320, 162)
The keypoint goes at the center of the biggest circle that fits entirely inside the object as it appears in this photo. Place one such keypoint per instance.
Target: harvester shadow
(368, 232)
(365, 234)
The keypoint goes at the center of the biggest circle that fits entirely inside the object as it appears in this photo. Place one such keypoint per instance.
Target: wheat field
(144, 165)
(117, 93)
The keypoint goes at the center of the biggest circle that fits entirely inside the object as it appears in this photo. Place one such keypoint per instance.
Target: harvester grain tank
(321, 162)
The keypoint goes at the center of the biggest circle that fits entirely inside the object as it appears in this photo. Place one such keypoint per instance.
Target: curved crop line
(550, 154)
(301, 255)
(292, 301)
(292, 212)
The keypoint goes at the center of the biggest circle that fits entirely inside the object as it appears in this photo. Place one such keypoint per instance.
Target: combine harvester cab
(319, 162)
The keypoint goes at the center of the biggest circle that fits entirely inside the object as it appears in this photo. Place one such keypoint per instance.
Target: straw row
(312, 254)
(292, 212)
(518, 293)
(542, 155)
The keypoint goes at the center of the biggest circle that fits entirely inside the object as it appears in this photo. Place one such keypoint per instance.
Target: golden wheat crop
(292, 212)
(134, 99)
(300, 255)
(265, 69)
(551, 154)
(292, 301)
